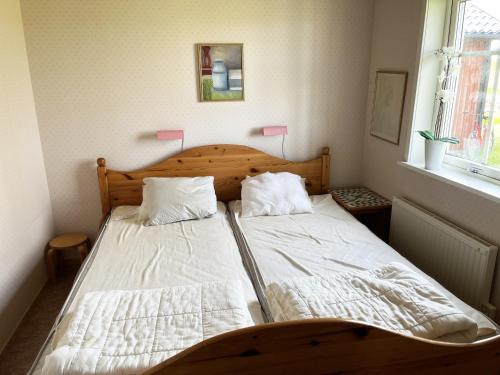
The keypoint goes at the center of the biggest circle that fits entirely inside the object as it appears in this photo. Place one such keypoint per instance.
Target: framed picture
(220, 72)
(390, 90)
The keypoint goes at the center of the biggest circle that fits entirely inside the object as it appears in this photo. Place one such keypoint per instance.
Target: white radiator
(460, 261)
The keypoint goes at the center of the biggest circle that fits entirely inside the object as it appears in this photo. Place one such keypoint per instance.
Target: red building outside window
(475, 117)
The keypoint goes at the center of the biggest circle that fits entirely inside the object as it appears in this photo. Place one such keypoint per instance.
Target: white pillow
(124, 212)
(274, 194)
(170, 199)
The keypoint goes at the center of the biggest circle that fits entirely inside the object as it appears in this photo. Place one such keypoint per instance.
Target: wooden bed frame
(313, 346)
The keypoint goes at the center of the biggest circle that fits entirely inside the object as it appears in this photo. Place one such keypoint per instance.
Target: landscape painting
(220, 70)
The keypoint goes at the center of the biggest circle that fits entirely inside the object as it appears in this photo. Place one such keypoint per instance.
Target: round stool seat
(68, 240)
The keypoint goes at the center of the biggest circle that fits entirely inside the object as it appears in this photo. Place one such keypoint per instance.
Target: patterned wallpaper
(108, 73)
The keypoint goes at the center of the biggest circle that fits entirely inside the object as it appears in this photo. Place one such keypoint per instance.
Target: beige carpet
(22, 349)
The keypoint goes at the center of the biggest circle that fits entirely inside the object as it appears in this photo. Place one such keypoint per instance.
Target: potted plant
(436, 142)
(435, 148)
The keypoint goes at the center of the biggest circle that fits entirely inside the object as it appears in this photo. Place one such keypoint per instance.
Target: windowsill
(485, 187)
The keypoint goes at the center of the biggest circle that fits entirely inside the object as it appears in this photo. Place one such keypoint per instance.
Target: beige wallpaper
(108, 73)
(398, 51)
(25, 212)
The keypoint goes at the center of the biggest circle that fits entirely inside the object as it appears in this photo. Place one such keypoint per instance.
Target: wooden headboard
(229, 164)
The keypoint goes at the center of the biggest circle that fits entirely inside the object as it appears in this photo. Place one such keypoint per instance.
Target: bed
(131, 256)
(305, 346)
(328, 241)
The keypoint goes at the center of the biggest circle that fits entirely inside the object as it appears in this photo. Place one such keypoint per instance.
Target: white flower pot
(434, 154)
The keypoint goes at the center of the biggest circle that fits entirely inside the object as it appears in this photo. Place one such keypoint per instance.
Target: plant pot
(434, 154)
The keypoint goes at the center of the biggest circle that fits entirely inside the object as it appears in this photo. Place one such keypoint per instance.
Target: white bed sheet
(329, 240)
(133, 256)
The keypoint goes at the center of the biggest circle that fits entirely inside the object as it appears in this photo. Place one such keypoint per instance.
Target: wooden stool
(64, 242)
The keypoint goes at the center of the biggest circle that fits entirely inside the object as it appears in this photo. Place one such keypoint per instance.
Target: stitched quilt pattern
(392, 297)
(126, 332)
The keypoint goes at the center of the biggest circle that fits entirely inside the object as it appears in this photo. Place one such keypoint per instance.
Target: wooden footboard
(320, 346)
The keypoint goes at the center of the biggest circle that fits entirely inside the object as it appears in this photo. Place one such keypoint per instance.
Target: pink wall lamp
(171, 135)
(277, 130)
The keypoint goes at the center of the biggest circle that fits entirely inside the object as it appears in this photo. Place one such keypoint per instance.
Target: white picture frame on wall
(388, 103)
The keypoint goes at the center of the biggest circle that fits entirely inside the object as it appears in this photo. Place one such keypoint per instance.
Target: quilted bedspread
(125, 332)
(392, 297)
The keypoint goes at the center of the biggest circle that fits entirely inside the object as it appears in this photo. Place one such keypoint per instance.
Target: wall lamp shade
(168, 135)
(275, 130)
(171, 135)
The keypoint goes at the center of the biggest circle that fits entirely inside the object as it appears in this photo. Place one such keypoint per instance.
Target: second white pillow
(274, 194)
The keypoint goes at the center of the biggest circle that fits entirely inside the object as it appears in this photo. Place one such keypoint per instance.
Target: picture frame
(388, 105)
(220, 72)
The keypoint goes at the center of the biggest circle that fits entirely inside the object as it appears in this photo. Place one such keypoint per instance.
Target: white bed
(328, 241)
(131, 256)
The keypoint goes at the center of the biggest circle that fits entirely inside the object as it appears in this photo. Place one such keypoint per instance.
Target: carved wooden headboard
(229, 164)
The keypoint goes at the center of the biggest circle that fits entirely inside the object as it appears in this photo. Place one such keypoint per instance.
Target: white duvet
(391, 297)
(128, 331)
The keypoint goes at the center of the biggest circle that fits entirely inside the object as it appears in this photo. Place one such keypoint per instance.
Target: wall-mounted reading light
(170, 135)
(277, 130)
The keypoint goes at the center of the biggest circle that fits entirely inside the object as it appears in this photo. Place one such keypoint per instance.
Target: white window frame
(450, 40)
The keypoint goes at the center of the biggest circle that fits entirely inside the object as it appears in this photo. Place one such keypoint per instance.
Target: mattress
(328, 241)
(132, 256)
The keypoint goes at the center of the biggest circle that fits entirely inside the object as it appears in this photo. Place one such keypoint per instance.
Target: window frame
(450, 36)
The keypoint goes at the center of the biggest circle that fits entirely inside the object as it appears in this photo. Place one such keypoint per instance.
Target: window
(474, 115)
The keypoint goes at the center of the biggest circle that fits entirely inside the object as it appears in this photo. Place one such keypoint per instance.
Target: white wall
(107, 74)
(395, 43)
(25, 212)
